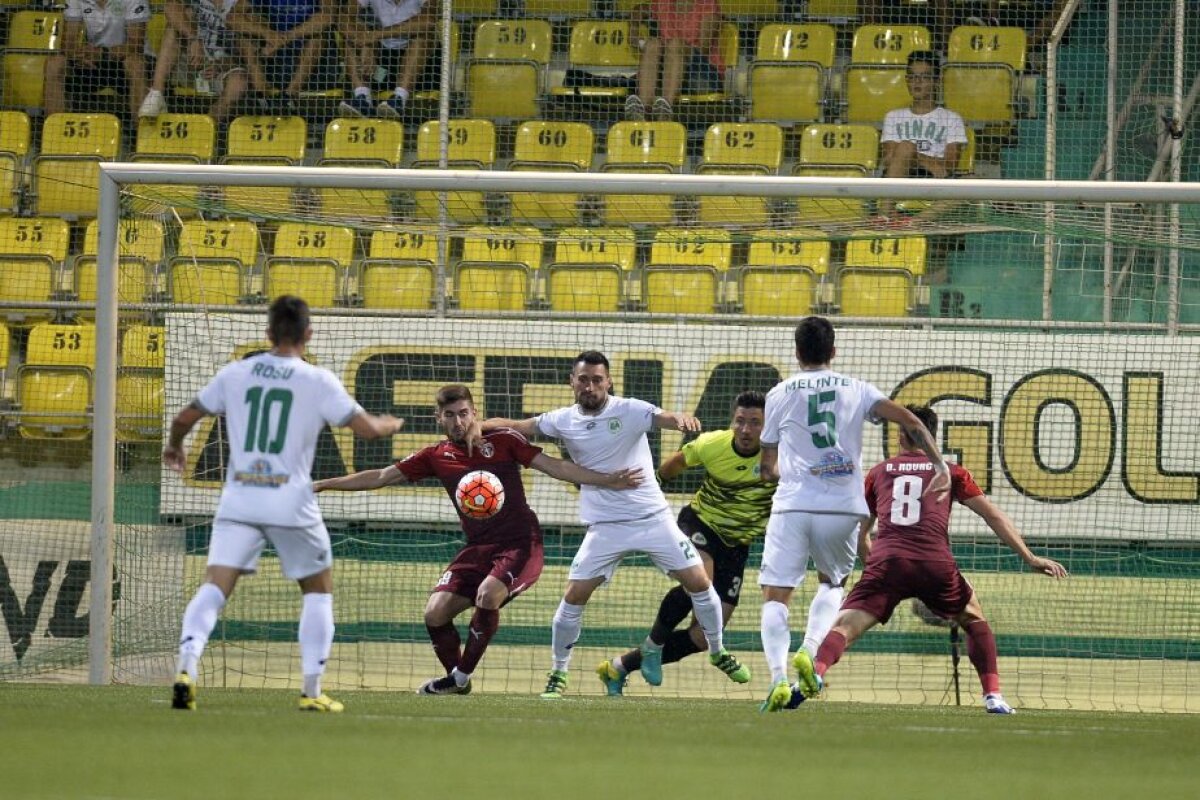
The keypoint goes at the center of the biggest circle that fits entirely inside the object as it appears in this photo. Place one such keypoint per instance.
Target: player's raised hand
(474, 437)
(625, 478)
(940, 485)
(1048, 566)
(175, 458)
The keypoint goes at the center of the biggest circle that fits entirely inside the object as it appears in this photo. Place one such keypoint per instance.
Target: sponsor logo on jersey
(832, 465)
(260, 474)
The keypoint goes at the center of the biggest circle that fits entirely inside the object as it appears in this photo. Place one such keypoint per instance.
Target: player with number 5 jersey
(812, 442)
(275, 406)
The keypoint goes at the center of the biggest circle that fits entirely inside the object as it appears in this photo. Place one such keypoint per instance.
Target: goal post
(1080, 428)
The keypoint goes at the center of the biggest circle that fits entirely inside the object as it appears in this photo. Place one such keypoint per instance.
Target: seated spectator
(684, 36)
(281, 42)
(200, 26)
(392, 41)
(924, 140)
(102, 47)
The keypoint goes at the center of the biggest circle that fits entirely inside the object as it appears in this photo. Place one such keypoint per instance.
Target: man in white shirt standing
(275, 405)
(606, 433)
(101, 49)
(925, 139)
(387, 40)
(812, 444)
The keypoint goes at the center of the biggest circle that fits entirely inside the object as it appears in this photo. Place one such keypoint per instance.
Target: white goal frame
(113, 176)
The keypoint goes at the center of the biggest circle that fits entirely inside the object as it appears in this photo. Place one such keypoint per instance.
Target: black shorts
(109, 73)
(389, 64)
(729, 560)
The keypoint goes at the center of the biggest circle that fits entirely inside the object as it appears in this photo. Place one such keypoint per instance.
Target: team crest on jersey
(261, 475)
(832, 465)
(614, 425)
(700, 539)
(487, 450)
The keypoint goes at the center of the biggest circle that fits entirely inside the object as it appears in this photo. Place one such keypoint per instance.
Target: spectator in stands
(101, 49)
(684, 36)
(924, 140)
(210, 64)
(389, 40)
(281, 42)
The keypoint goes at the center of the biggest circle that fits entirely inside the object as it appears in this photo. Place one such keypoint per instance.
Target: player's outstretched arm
(915, 429)
(768, 468)
(374, 426)
(360, 481)
(677, 421)
(865, 529)
(573, 473)
(174, 455)
(1003, 527)
(673, 467)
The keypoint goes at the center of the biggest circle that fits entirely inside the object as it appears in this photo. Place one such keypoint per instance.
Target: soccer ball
(480, 494)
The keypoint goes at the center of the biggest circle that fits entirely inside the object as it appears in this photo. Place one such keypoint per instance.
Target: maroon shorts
(517, 565)
(884, 584)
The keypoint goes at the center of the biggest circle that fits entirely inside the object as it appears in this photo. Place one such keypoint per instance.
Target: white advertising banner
(1074, 435)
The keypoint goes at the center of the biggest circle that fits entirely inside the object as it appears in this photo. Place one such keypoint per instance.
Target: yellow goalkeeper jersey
(733, 499)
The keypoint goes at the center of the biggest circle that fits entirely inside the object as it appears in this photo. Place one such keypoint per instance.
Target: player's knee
(490, 600)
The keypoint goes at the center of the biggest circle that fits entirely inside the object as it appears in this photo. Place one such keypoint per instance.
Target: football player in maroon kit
(910, 557)
(503, 554)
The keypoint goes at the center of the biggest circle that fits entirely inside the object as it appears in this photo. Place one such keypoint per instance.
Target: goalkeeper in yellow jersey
(729, 511)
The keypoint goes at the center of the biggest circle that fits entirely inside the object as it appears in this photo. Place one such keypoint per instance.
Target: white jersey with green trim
(816, 419)
(274, 408)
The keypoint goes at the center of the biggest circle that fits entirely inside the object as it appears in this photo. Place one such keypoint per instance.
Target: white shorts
(658, 536)
(303, 552)
(793, 536)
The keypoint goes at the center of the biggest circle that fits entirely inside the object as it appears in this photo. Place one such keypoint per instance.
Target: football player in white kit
(812, 444)
(275, 405)
(606, 433)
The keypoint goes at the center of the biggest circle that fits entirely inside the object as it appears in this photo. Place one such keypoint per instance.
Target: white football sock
(822, 613)
(707, 605)
(198, 622)
(316, 639)
(568, 622)
(776, 638)
(460, 678)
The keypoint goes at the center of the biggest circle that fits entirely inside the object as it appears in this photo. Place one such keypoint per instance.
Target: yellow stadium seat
(880, 275)
(600, 48)
(472, 145)
(784, 274)
(874, 90)
(832, 9)
(554, 146)
(685, 270)
(173, 138)
(32, 254)
(750, 8)
(730, 50)
(981, 93)
(15, 139)
(155, 28)
(5, 390)
(358, 142)
(970, 44)
(643, 147)
(888, 44)
(67, 171)
(34, 30)
(557, 8)
(271, 141)
(309, 261)
(589, 270)
(399, 269)
(732, 148)
(496, 270)
(788, 76)
(504, 76)
(842, 145)
(211, 262)
(24, 80)
(818, 210)
(140, 384)
(54, 385)
(140, 253)
(476, 7)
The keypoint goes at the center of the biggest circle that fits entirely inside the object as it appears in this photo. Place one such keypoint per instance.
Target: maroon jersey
(912, 526)
(502, 453)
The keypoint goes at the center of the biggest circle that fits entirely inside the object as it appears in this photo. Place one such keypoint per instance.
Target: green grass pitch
(125, 742)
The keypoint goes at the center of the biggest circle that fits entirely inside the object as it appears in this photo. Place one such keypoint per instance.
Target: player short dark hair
(928, 417)
(452, 394)
(287, 320)
(592, 358)
(750, 399)
(814, 340)
(925, 57)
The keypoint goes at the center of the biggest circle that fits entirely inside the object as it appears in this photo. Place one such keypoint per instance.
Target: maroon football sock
(981, 649)
(483, 626)
(446, 644)
(830, 652)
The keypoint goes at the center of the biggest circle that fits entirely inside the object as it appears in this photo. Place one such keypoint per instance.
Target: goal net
(993, 311)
